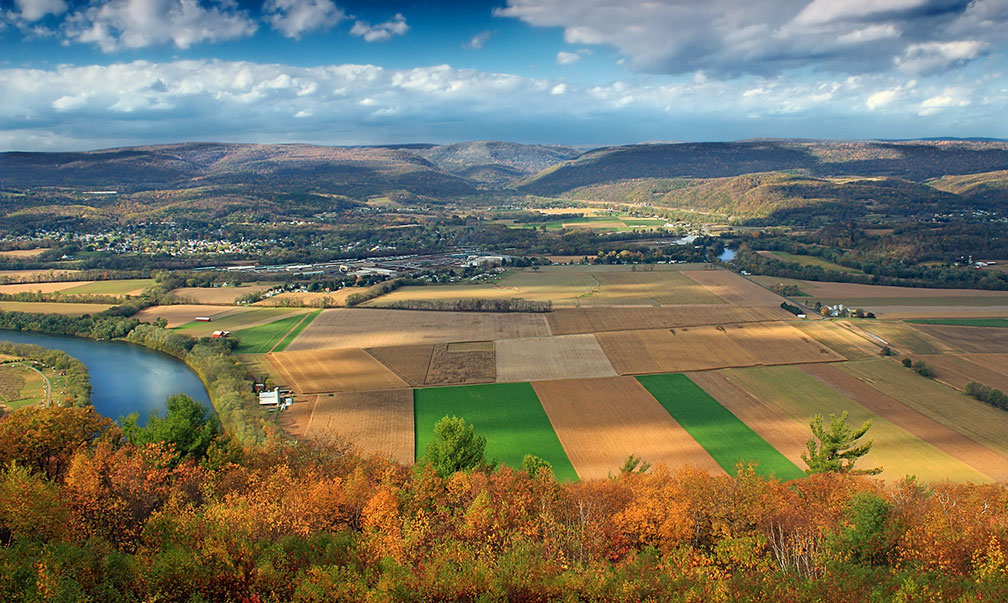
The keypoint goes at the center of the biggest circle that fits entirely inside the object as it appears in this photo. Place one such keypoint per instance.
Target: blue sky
(93, 74)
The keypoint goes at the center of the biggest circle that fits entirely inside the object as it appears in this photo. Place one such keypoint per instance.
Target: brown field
(312, 299)
(180, 314)
(259, 367)
(410, 362)
(840, 337)
(215, 295)
(541, 358)
(994, 362)
(929, 311)
(655, 288)
(601, 422)
(981, 423)
(459, 364)
(43, 287)
(240, 317)
(598, 320)
(373, 422)
(24, 253)
(971, 340)
(957, 371)
(296, 418)
(938, 435)
(705, 348)
(316, 371)
(734, 289)
(901, 337)
(53, 308)
(780, 430)
(840, 291)
(367, 328)
(565, 259)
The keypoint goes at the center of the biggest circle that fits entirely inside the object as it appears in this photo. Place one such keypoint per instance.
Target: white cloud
(931, 57)
(479, 40)
(33, 10)
(142, 102)
(567, 58)
(295, 17)
(881, 99)
(381, 31)
(118, 24)
(726, 38)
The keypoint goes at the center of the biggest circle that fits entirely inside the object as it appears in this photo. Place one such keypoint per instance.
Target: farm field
(134, 286)
(368, 327)
(41, 287)
(597, 320)
(238, 319)
(373, 422)
(734, 289)
(182, 314)
(722, 434)
(807, 260)
(317, 371)
(272, 336)
(462, 363)
(963, 322)
(262, 370)
(24, 253)
(703, 348)
(792, 392)
(609, 223)
(561, 357)
(938, 435)
(971, 340)
(841, 337)
(958, 370)
(601, 422)
(53, 308)
(409, 362)
(903, 338)
(509, 415)
(35, 276)
(994, 362)
(984, 424)
(217, 295)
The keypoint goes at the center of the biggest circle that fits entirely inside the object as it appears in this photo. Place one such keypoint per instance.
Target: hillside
(496, 162)
(780, 197)
(909, 160)
(988, 186)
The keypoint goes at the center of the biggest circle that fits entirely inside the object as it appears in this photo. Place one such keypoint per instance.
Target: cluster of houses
(278, 399)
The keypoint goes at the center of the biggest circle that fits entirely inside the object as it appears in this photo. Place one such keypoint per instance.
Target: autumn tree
(455, 447)
(836, 450)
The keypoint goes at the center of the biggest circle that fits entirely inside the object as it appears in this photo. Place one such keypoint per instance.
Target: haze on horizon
(84, 75)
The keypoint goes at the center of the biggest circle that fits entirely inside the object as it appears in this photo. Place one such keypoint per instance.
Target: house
(202, 319)
(219, 334)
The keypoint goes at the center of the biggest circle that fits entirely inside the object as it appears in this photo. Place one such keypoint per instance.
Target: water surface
(125, 378)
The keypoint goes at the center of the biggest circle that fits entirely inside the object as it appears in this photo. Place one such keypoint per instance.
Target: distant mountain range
(466, 168)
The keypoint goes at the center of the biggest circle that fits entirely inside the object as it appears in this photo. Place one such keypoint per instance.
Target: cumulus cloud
(295, 17)
(117, 24)
(33, 10)
(479, 40)
(725, 38)
(142, 102)
(567, 58)
(381, 31)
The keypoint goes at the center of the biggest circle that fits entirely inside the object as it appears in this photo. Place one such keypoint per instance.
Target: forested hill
(917, 160)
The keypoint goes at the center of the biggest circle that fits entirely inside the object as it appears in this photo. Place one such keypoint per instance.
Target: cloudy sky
(93, 74)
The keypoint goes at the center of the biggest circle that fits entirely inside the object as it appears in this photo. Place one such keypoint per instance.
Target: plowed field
(367, 328)
(317, 371)
(410, 362)
(540, 358)
(597, 320)
(733, 288)
(970, 340)
(601, 422)
(957, 371)
(181, 314)
(374, 422)
(461, 364)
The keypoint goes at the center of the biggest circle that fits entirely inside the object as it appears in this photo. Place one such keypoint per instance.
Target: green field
(114, 287)
(621, 223)
(963, 322)
(721, 433)
(235, 321)
(810, 260)
(508, 414)
(279, 333)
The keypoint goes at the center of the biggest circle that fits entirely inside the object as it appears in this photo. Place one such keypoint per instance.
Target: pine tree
(455, 447)
(835, 450)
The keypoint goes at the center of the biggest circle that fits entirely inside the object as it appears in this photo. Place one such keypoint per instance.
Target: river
(125, 377)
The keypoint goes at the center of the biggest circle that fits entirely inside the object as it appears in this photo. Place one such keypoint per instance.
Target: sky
(77, 75)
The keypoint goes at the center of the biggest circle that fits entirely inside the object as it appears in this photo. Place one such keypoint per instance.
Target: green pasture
(726, 438)
(509, 415)
(962, 322)
(113, 287)
(262, 338)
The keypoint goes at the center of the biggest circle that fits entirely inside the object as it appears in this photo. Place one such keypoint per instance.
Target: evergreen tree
(455, 447)
(836, 450)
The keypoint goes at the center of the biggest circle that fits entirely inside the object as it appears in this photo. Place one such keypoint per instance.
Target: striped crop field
(721, 433)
